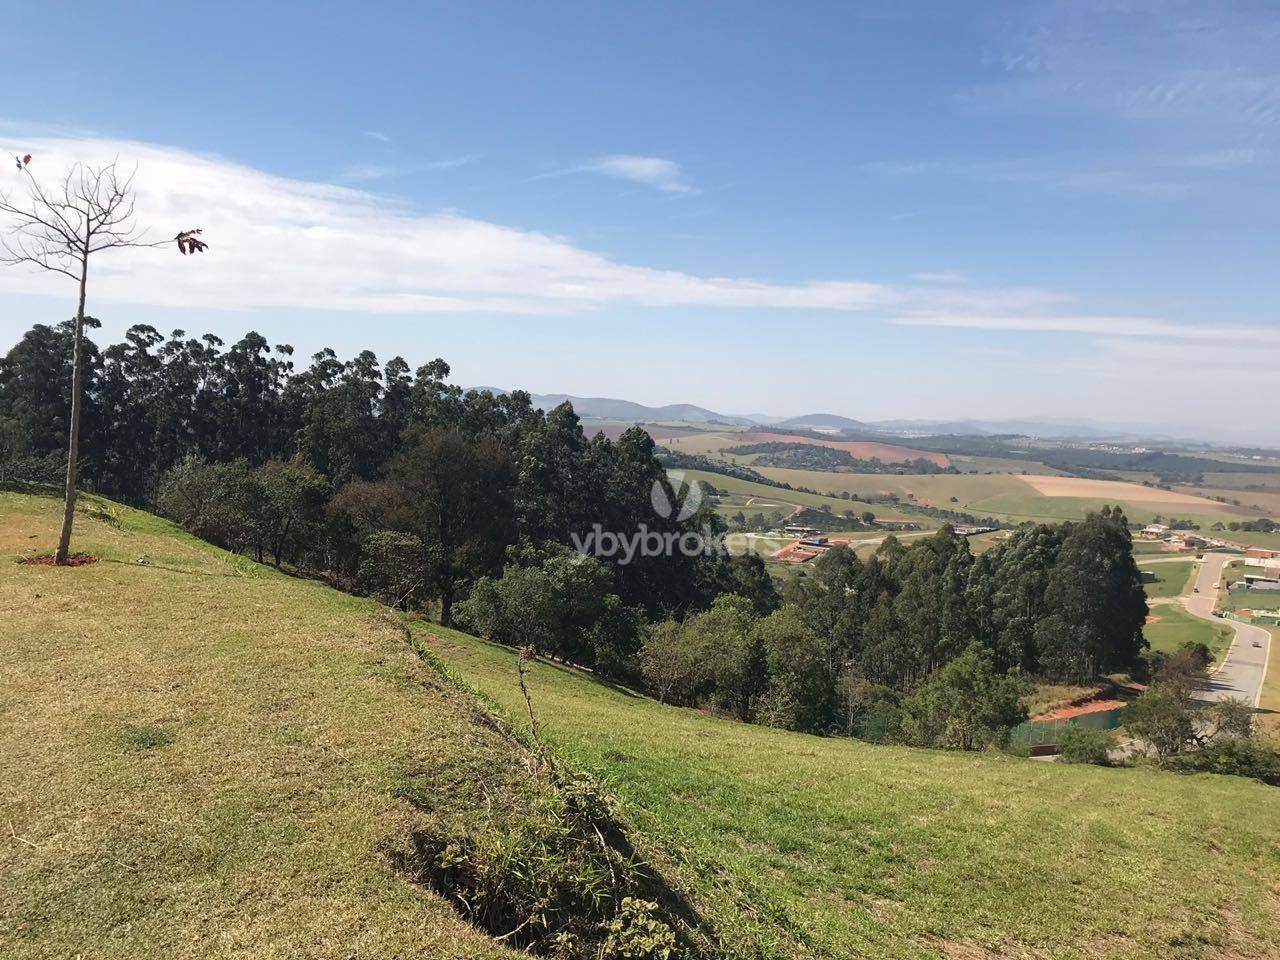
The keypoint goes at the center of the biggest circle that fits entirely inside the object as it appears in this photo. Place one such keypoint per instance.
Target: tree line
(819, 457)
(886, 647)
(383, 479)
(401, 485)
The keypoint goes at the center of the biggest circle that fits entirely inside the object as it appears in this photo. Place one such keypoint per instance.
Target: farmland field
(1253, 501)
(972, 464)
(1120, 493)
(713, 443)
(932, 489)
(767, 499)
(1243, 481)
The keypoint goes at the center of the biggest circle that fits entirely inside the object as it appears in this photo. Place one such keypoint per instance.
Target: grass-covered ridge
(836, 848)
(202, 757)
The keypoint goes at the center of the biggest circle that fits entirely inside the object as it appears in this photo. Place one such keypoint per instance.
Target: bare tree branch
(57, 231)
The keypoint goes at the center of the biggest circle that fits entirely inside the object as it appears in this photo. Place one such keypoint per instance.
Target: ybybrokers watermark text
(643, 542)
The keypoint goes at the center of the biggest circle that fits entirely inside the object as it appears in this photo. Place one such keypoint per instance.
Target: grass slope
(1172, 579)
(834, 848)
(199, 757)
(1176, 626)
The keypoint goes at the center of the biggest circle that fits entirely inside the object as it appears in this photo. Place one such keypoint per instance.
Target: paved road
(1245, 668)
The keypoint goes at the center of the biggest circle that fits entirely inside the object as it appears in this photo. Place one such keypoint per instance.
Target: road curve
(1242, 673)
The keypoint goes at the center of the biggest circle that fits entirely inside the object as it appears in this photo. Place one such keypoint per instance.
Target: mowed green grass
(1175, 627)
(835, 848)
(199, 757)
(1173, 578)
(1253, 600)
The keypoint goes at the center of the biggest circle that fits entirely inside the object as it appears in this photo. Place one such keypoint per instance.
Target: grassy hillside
(202, 758)
(1270, 702)
(836, 848)
(1174, 626)
(1172, 578)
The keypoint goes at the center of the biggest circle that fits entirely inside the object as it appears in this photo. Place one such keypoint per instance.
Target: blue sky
(935, 210)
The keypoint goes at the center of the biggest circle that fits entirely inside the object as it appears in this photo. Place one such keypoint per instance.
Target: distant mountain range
(605, 408)
(628, 411)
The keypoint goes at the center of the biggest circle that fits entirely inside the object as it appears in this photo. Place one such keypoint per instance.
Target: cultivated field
(750, 497)
(1253, 501)
(1115, 492)
(713, 443)
(928, 489)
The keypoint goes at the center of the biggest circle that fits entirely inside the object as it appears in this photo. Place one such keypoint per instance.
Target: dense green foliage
(1080, 744)
(1237, 757)
(408, 488)
(923, 643)
(388, 481)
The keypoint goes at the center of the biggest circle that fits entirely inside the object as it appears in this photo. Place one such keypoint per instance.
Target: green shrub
(1256, 759)
(966, 705)
(1079, 744)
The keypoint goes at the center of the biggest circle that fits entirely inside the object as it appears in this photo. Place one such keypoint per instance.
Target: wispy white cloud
(656, 172)
(1114, 326)
(277, 243)
(1132, 179)
(1228, 158)
(364, 172)
(375, 135)
(451, 163)
(1179, 61)
(941, 276)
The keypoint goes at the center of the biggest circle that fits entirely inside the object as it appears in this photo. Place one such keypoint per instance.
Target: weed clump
(135, 739)
(557, 878)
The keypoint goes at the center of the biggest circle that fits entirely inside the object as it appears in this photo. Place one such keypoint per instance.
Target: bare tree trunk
(73, 440)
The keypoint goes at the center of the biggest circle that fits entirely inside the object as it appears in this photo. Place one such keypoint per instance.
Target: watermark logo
(678, 501)
(687, 497)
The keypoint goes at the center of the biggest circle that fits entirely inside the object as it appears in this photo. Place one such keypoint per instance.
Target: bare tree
(58, 230)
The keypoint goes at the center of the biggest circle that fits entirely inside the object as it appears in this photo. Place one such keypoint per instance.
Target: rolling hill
(201, 756)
